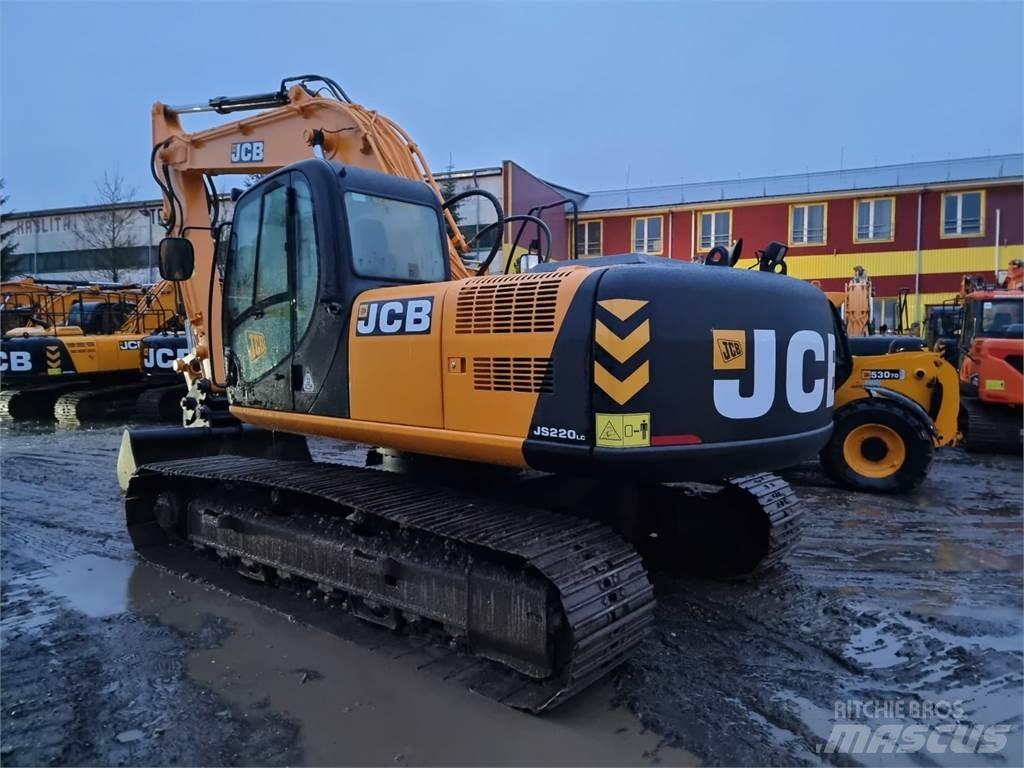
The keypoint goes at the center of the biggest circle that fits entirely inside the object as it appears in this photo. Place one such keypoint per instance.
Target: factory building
(915, 226)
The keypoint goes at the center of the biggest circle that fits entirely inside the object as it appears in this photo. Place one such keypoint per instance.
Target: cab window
(306, 264)
(245, 236)
(271, 263)
(259, 319)
(394, 239)
(1002, 319)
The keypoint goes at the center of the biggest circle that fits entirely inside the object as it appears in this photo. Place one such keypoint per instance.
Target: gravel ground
(908, 606)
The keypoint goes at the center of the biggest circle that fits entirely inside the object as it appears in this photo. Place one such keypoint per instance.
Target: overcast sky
(588, 95)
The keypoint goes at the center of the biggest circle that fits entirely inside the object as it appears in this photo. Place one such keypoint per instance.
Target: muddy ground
(904, 604)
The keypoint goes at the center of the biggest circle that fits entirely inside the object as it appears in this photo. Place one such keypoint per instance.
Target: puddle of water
(874, 648)
(363, 706)
(96, 586)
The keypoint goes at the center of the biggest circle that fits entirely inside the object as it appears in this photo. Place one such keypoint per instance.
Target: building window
(588, 239)
(963, 214)
(647, 235)
(875, 220)
(807, 224)
(715, 229)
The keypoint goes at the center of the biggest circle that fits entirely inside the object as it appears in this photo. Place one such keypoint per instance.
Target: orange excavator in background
(990, 351)
(537, 430)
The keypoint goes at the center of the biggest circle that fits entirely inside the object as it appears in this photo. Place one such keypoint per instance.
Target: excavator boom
(298, 125)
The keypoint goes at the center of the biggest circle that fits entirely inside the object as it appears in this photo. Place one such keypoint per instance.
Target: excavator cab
(292, 268)
(99, 317)
(304, 243)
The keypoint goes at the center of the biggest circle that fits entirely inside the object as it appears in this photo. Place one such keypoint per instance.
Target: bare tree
(110, 232)
(7, 252)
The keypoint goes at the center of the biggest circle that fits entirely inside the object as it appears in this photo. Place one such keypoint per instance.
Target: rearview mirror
(177, 259)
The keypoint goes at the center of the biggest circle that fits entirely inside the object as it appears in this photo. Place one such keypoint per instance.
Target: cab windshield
(394, 239)
(1002, 319)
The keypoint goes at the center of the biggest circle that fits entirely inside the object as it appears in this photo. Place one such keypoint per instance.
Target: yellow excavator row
(79, 352)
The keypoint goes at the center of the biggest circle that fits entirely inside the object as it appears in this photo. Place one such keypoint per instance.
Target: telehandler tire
(878, 446)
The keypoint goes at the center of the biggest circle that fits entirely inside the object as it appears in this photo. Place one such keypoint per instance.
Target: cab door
(259, 298)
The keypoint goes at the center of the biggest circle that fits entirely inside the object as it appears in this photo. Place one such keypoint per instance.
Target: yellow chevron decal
(622, 391)
(624, 348)
(622, 308)
(52, 357)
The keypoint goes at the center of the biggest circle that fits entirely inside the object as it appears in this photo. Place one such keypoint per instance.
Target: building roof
(1006, 167)
(996, 167)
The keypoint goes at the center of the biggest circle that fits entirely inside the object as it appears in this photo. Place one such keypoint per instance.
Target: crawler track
(991, 428)
(32, 402)
(161, 403)
(559, 600)
(84, 405)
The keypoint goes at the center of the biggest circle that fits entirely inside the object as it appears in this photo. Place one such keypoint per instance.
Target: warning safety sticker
(623, 430)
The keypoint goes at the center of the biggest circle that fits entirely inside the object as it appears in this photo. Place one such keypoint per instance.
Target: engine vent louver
(508, 304)
(513, 374)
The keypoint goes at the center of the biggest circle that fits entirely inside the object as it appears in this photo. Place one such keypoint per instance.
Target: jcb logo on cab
(730, 355)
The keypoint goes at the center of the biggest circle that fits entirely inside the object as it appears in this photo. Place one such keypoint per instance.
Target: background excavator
(981, 332)
(537, 431)
(989, 355)
(898, 403)
(79, 356)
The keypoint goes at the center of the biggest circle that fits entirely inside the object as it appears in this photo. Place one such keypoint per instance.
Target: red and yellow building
(917, 226)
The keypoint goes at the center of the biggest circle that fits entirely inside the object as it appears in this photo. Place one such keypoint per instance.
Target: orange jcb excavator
(78, 355)
(991, 348)
(528, 424)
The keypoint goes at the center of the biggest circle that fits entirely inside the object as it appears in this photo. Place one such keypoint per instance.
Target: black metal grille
(508, 304)
(513, 374)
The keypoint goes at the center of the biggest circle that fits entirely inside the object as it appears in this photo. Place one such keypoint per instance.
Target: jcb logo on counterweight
(16, 362)
(730, 355)
(730, 350)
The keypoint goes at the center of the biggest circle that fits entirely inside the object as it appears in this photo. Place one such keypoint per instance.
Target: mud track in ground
(109, 661)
